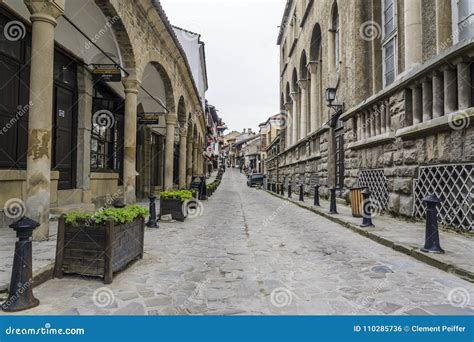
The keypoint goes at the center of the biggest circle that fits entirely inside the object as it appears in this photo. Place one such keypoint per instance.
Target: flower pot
(173, 207)
(97, 250)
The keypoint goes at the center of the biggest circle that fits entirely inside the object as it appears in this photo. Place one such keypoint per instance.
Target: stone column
(289, 124)
(195, 158)
(366, 124)
(427, 100)
(182, 158)
(464, 85)
(130, 145)
(450, 91)
(171, 120)
(303, 84)
(372, 118)
(413, 33)
(383, 118)
(417, 105)
(38, 170)
(443, 25)
(189, 162)
(314, 93)
(294, 130)
(378, 115)
(438, 96)
(84, 122)
(388, 118)
(359, 126)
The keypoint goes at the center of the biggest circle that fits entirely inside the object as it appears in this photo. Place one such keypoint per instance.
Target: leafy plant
(182, 195)
(119, 215)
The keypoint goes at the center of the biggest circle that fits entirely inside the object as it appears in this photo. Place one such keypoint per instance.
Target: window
(335, 39)
(463, 19)
(389, 41)
(107, 132)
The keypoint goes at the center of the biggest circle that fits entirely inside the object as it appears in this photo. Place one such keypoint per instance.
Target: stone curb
(405, 249)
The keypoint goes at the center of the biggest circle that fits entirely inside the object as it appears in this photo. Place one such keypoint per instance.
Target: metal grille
(377, 183)
(453, 185)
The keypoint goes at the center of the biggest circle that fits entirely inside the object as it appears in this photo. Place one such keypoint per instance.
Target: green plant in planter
(182, 195)
(119, 215)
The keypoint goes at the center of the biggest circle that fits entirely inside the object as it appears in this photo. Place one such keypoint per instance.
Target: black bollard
(316, 196)
(367, 209)
(289, 190)
(152, 219)
(332, 205)
(432, 244)
(301, 193)
(21, 295)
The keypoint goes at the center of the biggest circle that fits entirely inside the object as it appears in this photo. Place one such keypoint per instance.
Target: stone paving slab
(43, 256)
(250, 253)
(404, 236)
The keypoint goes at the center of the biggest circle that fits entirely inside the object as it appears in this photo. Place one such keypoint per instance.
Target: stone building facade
(402, 69)
(72, 139)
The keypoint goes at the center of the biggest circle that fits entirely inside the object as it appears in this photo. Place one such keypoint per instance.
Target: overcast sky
(241, 53)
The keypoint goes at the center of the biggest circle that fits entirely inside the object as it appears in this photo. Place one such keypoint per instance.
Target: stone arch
(181, 112)
(315, 47)
(123, 39)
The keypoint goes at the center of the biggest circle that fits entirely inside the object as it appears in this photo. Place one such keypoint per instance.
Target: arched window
(389, 41)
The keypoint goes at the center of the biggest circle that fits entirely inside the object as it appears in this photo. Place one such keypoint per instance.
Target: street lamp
(338, 108)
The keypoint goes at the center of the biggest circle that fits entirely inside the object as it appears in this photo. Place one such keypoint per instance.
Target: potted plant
(172, 203)
(101, 243)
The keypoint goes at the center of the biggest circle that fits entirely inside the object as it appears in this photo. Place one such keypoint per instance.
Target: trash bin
(357, 202)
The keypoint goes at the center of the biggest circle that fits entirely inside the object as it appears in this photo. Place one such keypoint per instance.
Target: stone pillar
(368, 132)
(130, 145)
(314, 94)
(417, 105)
(443, 25)
(464, 85)
(388, 118)
(38, 170)
(383, 118)
(84, 122)
(289, 124)
(378, 115)
(450, 91)
(182, 158)
(427, 100)
(294, 130)
(189, 162)
(359, 126)
(372, 118)
(438, 96)
(171, 120)
(303, 84)
(413, 33)
(195, 158)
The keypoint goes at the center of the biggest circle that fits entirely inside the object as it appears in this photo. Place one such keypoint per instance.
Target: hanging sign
(149, 121)
(106, 73)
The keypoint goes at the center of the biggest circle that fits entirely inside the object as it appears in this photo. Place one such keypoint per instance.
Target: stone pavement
(404, 236)
(248, 252)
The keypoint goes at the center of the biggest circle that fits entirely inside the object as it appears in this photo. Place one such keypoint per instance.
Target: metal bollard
(332, 205)
(301, 192)
(316, 196)
(289, 190)
(432, 244)
(367, 209)
(152, 219)
(21, 295)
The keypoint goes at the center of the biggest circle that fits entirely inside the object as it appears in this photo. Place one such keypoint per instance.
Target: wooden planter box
(173, 207)
(98, 251)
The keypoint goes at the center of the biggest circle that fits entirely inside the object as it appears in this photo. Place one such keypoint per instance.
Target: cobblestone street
(252, 253)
